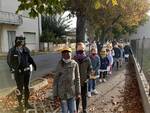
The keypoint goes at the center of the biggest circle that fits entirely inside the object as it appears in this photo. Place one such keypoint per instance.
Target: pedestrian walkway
(120, 94)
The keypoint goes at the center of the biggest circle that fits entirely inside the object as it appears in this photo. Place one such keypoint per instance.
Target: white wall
(29, 25)
(9, 5)
(0, 5)
(4, 36)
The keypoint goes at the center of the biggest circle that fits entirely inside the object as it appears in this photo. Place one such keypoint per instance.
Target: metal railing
(141, 50)
(10, 18)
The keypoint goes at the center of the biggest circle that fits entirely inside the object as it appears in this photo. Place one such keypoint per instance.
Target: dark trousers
(103, 75)
(22, 82)
(116, 62)
(83, 97)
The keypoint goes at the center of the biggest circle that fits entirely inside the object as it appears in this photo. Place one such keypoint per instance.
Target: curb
(5, 92)
(41, 83)
(143, 86)
(33, 87)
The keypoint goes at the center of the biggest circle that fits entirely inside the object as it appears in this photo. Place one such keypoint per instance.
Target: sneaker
(89, 94)
(104, 80)
(95, 92)
(100, 80)
(110, 73)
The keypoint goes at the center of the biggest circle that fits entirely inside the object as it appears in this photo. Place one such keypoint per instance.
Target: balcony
(10, 18)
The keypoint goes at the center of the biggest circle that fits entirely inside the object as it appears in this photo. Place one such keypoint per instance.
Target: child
(116, 56)
(95, 60)
(121, 55)
(110, 58)
(104, 64)
(66, 87)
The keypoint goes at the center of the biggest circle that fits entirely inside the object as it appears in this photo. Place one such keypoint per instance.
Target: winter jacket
(19, 60)
(121, 53)
(85, 68)
(110, 58)
(104, 63)
(127, 50)
(117, 52)
(67, 80)
(95, 63)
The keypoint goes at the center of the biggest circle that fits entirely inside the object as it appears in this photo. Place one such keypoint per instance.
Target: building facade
(12, 25)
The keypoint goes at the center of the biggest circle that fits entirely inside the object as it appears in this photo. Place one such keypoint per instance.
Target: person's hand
(78, 96)
(57, 101)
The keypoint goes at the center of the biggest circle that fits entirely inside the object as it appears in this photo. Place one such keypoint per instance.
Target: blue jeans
(68, 106)
(91, 85)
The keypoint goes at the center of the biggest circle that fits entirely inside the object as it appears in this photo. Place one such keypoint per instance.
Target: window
(11, 38)
(30, 37)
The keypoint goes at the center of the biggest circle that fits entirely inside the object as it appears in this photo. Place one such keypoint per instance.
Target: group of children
(76, 76)
(109, 57)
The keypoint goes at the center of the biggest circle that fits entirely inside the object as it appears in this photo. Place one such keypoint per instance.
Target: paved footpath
(114, 95)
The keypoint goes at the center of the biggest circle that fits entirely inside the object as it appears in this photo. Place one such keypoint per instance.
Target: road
(45, 64)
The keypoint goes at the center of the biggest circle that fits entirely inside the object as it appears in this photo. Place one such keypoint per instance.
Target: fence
(141, 51)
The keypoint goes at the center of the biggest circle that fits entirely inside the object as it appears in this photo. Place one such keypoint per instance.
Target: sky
(148, 13)
(73, 20)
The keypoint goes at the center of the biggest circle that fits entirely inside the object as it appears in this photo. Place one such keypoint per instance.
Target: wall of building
(29, 26)
(9, 5)
(0, 5)
(4, 36)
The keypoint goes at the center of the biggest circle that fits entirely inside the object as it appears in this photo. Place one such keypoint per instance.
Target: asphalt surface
(45, 64)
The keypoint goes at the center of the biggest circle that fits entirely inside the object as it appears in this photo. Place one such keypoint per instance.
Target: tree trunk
(80, 30)
(102, 36)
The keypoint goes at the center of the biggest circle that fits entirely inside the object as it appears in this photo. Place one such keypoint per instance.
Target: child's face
(108, 52)
(103, 55)
(93, 52)
(66, 55)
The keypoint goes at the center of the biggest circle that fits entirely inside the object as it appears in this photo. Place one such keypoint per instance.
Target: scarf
(80, 57)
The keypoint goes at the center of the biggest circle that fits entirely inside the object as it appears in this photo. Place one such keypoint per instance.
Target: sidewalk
(120, 94)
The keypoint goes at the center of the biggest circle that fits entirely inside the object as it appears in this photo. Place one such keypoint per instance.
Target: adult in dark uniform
(19, 60)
